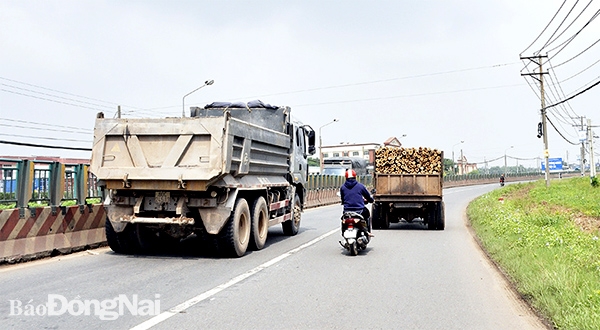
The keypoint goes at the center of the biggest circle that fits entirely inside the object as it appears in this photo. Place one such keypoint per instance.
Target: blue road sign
(554, 164)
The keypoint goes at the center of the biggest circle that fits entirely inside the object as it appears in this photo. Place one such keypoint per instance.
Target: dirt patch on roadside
(587, 223)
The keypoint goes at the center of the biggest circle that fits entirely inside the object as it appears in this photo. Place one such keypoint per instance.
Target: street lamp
(505, 158)
(453, 165)
(321, 145)
(206, 83)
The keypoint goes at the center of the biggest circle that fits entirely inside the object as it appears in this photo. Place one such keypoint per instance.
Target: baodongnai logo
(107, 309)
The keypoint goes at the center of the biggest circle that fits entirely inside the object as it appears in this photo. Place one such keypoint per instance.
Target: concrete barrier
(42, 232)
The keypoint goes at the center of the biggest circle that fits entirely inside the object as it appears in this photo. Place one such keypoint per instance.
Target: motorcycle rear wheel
(354, 249)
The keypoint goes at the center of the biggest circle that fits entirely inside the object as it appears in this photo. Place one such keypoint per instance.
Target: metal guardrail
(25, 183)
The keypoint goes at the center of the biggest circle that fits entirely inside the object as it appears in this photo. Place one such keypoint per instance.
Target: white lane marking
(203, 296)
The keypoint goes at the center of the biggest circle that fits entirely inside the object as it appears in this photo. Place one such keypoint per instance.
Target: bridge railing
(27, 183)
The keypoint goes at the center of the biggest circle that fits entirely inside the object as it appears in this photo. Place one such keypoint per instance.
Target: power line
(45, 129)
(44, 138)
(545, 28)
(46, 124)
(558, 28)
(51, 95)
(382, 80)
(573, 96)
(45, 99)
(43, 146)
(404, 96)
(559, 133)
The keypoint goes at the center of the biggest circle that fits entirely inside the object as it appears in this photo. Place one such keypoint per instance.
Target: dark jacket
(352, 193)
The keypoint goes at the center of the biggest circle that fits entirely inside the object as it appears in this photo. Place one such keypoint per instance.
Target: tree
(313, 161)
(448, 165)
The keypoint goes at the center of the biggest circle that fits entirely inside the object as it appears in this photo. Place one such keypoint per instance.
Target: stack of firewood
(392, 160)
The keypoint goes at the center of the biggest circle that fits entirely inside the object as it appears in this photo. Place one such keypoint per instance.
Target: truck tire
(235, 235)
(292, 226)
(384, 215)
(147, 240)
(376, 216)
(119, 242)
(436, 217)
(260, 224)
(441, 216)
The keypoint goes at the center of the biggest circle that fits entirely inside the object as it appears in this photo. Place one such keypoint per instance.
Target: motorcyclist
(502, 179)
(354, 194)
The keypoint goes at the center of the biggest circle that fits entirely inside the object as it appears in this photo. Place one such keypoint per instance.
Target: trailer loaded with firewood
(408, 186)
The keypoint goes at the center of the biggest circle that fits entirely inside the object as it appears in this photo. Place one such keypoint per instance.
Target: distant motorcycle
(501, 181)
(354, 232)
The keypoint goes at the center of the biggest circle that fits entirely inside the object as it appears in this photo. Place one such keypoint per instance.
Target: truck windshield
(334, 171)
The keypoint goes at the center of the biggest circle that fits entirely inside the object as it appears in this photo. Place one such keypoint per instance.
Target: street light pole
(453, 165)
(321, 145)
(505, 159)
(206, 83)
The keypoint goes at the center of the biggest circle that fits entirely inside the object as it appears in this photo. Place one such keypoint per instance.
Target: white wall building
(363, 150)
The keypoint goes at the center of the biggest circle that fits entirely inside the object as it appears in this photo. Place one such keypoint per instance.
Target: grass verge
(546, 241)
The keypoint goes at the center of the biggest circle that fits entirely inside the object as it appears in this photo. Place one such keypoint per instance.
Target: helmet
(350, 174)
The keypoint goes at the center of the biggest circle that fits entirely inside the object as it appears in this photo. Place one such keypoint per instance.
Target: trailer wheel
(292, 226)
(234, 237)
(260, 224)
(119, 242)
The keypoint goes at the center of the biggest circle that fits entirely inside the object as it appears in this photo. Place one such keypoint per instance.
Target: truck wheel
(147, 240)
(441, 217)
(376, 216)
(432, 217)
(384, 217)
(260, 224)
(118, 242)
(234, 237)
(292, 226)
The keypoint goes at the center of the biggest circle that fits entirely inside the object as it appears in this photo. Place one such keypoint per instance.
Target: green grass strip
(535, 234)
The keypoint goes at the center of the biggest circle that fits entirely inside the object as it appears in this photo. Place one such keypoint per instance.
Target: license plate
(162, 197)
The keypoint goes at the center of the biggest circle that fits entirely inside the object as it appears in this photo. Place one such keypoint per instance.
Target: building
(363, 150)
(464, 167)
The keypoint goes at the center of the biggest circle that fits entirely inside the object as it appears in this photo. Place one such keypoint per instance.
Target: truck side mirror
(310, 134)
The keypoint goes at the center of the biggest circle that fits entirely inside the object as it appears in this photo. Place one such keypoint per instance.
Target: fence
(25, 183)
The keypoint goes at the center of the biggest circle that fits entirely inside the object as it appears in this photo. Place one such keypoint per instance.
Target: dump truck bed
(408, 187)
(190, 153)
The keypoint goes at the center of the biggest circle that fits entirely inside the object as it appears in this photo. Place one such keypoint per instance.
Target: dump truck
(408, 185)
(223, 175)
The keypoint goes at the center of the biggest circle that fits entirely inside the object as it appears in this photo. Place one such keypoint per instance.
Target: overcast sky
(439, 71)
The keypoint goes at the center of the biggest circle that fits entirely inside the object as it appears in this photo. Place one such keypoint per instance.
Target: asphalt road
(408, 278)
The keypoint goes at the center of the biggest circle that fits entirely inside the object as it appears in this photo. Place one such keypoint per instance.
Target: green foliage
(595, 182)
(313, 161)
(530, 231)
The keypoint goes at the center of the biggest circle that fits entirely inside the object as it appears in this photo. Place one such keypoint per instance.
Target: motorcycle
(501, 182)
(354, 233)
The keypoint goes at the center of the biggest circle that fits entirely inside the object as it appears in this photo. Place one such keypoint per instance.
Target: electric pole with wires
(538, 60)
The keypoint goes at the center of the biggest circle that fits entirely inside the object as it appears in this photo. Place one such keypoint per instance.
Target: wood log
(422, 160)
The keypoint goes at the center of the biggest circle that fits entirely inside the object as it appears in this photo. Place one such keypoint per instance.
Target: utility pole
(543, 99)
(582, 150)
(591, 142)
